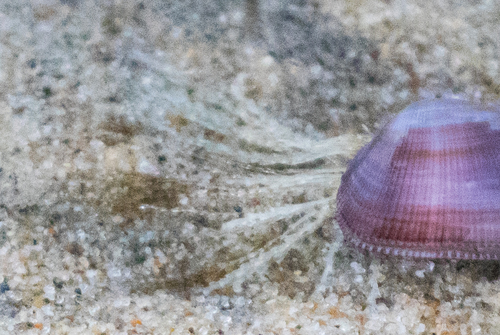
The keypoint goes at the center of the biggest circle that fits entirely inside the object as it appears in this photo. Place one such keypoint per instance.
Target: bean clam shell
(428, 185)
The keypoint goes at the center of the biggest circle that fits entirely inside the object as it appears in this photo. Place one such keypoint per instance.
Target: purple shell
(428, 185)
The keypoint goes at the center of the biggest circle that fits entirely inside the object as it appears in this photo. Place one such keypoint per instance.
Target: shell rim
(384, 247)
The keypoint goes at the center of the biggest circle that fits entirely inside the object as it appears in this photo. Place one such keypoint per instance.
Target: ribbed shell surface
(428, 185)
